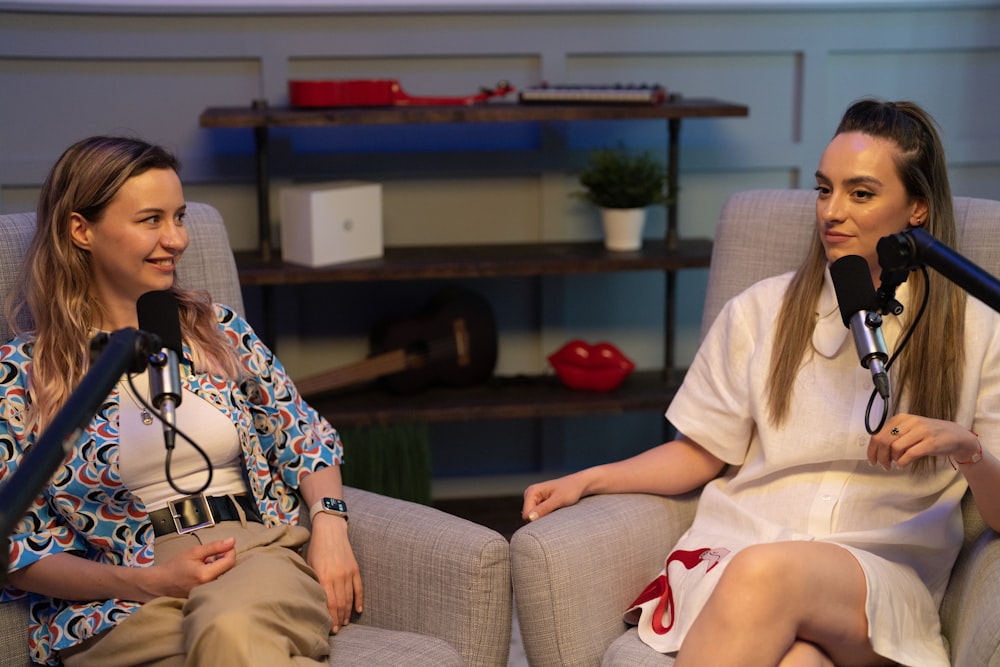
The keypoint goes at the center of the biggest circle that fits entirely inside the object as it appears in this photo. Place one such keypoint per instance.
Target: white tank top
(142, 454)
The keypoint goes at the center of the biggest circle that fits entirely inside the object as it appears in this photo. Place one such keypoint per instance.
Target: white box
(330, 223)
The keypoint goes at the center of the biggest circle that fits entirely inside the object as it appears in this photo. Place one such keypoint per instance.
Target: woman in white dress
(817, 543)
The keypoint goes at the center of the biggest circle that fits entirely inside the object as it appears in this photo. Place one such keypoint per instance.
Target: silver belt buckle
(188, 524)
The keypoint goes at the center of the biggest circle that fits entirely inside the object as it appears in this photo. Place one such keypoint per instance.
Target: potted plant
(623, 185)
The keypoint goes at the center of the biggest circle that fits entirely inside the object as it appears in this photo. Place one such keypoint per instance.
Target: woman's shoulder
(982, 323)
(15, 360)
(756, 306)
(978, 312)
(234, 324)
(766, 290)
(18, 348)
(228, 317)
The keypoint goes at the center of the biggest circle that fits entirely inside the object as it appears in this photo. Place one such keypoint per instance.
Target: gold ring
(894, 431)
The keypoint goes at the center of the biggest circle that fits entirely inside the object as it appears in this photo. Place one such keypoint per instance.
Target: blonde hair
(934, 357)
(54, 285)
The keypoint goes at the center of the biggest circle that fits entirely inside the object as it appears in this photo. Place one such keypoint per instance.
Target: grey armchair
(576, 570)
(437, 587)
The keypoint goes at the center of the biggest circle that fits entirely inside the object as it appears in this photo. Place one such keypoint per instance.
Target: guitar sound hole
(417, 353)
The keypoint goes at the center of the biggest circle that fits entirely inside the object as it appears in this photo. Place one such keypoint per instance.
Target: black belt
(200, 511)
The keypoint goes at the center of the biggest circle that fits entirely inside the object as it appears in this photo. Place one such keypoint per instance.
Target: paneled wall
(797, 66)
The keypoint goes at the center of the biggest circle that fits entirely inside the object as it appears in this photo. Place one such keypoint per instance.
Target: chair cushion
(629, 651)
(16, 231)
(374, 647)
(786, 218)
(354, 645)
(14, 633)
(208, 262)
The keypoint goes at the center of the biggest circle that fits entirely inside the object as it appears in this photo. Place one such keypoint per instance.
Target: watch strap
(319, 508)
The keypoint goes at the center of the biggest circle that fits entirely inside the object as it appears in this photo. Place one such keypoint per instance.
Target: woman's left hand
(905, 438)
(330, 555)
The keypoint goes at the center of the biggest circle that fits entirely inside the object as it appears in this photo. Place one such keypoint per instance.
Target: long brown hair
(934, 355)
(54, 285)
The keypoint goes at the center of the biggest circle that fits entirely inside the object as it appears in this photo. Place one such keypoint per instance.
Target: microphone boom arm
(124, 349)
(907, 250)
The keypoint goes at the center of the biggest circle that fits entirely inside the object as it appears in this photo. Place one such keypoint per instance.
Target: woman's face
(137, 242)
(861, 197)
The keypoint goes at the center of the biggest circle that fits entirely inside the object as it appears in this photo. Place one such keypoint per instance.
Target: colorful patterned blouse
(87, 510)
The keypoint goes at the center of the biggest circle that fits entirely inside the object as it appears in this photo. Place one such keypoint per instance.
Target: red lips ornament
(600, 367)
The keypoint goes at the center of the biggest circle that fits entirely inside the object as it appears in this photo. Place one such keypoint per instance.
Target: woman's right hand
(198, 565)
(545, 497)
(674, 467)
(71, 577)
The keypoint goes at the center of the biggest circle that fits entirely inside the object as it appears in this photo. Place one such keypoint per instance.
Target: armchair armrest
(14, 634)
(432, 573)
(970, 611)
(424, 571)
(576, 569)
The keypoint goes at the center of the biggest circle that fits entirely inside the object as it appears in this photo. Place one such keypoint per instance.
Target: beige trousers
(267, 611)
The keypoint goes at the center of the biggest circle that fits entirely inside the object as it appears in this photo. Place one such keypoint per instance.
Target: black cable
(170, 450)
(899, 348)
(868, 413)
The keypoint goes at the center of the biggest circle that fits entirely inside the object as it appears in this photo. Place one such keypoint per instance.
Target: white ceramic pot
(623, 228)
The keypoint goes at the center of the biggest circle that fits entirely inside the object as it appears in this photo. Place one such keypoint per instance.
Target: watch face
(334, 505)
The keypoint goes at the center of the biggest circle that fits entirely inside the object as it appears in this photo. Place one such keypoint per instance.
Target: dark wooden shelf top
(498, 112)
(521, 397)
(480, 261)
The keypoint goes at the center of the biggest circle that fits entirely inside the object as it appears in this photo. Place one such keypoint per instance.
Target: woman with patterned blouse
(105, 554)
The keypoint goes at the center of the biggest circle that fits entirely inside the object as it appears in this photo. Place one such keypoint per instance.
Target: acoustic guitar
(452, 341)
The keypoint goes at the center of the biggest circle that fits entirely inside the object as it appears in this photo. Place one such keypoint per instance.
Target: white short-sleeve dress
(810, 480)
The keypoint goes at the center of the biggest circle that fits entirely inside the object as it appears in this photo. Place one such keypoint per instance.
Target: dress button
(827, 497)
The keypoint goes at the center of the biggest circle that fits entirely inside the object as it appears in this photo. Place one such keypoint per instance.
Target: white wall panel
(50, 103)
(67, 74)
(961, 88)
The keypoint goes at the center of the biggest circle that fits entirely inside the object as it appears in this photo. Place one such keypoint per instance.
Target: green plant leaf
(615, 179)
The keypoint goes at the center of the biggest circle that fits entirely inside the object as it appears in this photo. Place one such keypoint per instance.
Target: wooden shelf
(521, 397)
(480, 261)
(262, 116)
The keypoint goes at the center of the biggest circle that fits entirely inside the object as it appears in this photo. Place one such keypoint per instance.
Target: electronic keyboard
(611, 94)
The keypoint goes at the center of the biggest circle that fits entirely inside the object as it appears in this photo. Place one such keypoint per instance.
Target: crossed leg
(788, 604)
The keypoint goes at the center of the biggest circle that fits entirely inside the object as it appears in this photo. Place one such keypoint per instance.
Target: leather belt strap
(200, 511)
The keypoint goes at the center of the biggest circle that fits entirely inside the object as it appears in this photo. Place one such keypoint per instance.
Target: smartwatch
(334, 506)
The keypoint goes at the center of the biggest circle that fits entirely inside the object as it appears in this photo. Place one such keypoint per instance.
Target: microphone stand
(124, 350)
(898, 253)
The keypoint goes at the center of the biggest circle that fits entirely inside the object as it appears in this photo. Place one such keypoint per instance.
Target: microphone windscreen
(852, 281)
(158, 314)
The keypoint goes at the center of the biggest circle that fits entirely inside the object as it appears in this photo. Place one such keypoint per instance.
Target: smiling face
(861, 197)
(136, 244)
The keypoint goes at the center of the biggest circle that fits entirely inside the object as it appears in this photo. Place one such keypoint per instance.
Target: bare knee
(763, 575)
(813, 594)
(804, 654)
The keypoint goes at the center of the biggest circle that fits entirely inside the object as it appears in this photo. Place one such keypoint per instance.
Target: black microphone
(158, 314)
(852, 280)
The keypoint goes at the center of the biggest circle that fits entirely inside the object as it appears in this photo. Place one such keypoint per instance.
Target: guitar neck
(362, 371)
(449, 353)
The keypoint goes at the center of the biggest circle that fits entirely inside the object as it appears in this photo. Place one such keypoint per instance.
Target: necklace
(144, 414)
(147, 419)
